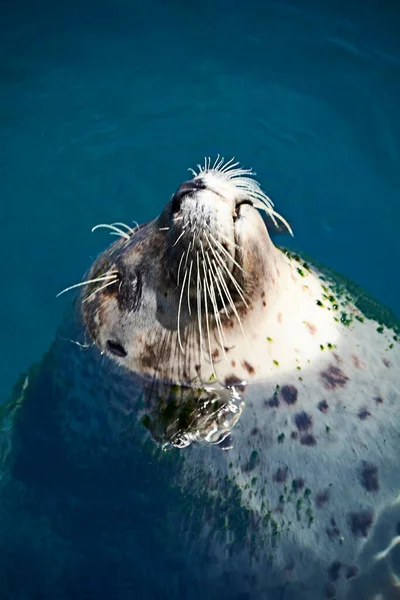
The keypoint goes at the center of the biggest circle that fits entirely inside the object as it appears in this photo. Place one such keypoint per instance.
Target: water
(103, 107)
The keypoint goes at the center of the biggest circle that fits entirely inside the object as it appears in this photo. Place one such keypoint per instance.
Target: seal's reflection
(178, 416)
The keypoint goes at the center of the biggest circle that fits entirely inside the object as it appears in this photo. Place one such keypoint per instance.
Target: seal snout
(186, 189)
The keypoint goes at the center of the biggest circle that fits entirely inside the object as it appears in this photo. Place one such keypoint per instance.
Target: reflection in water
(179, 416)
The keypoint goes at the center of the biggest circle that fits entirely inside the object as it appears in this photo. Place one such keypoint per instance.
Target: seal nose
(187, 188)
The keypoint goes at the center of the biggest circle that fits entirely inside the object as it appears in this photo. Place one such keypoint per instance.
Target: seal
(198, 329)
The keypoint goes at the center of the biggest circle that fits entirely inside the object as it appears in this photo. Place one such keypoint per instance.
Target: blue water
(104, 105)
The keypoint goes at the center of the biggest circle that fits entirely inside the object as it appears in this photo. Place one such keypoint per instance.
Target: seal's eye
(187, 188)
(116, 348)
(238, 205)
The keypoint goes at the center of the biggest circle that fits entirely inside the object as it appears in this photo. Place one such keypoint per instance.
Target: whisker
(214, 167)
(163, 229)
(188, 287)
(187, 255)
(220, 246)
(111, 275)
(241, 178)
(199, 305)
(179, 269)
(220, 163)
(229, 165)
(132, 231)
(221, 263)
(205, 289)
(181, 235)
(179, 310)
(272, 213)
(219, 289)
(106, 226)
(118, 234)
(215, 307)
(239, 290)
(100, 288)
(230, 300)
(230, 242)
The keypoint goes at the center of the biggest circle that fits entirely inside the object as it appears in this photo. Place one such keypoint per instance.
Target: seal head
(168, 299)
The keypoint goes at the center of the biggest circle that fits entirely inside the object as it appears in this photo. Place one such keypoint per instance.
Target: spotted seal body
(279, 381)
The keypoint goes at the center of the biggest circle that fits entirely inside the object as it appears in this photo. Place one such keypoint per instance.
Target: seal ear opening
(116, 348)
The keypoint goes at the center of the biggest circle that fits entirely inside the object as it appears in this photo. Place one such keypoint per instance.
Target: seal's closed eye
(116, 348)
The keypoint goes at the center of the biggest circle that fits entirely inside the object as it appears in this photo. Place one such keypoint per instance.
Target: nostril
(116, 348)
(188, 187)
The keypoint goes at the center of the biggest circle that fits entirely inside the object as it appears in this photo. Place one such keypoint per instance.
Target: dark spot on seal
(252, 463)
(272, 402)
(289, 394)
(357, 362)
(197, 368)
(386, 362)
(294, 435)
(264, 303)
(351, 571)
(233, 364)
(308, 440)
(281, 475)
(360, 522)
(303, 421)
(233, 381)
(334, 378)
(378, 400)
(321, 498)
(262, 294)
(255, 431)
(215, 354)
(363, 414)
(248, 367)
(297, 485)
(290, 565)
(369, 477)
(323, 406)
(330, 591)
(311, 328)
(149, 356)
(334, 570)
(333, 530)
